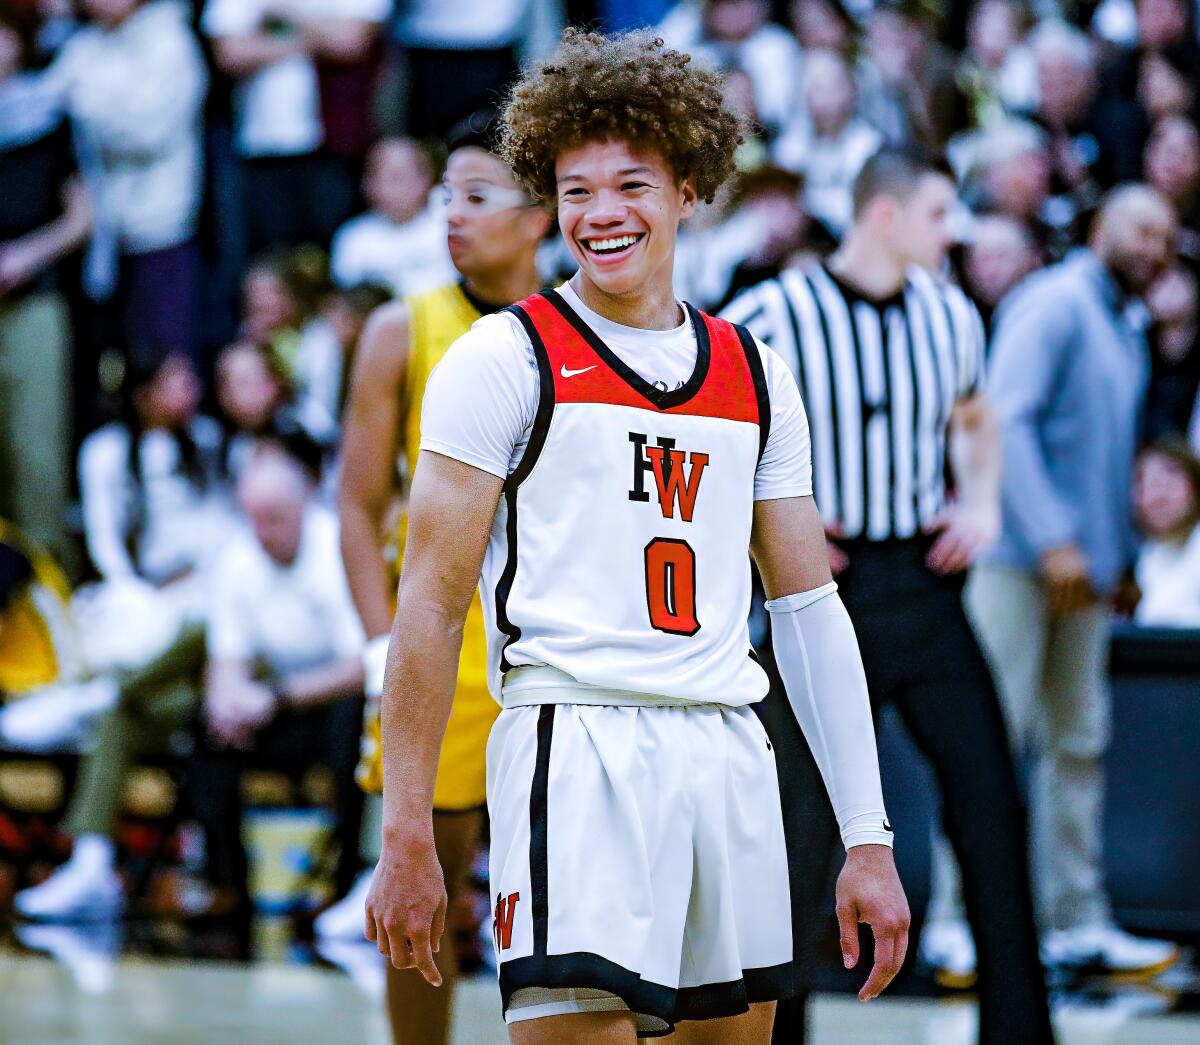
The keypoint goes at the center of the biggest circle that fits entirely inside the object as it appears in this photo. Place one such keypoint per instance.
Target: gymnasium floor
(151, 994)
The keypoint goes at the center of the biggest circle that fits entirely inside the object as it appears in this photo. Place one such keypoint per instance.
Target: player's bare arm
(450, 517)
(373, 428)
(815, 636)
(973, 521)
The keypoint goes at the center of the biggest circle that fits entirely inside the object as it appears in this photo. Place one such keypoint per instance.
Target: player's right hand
(869, 890)
(406, 907)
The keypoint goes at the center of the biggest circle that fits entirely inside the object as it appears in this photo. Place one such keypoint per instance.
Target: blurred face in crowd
(398, 179)
(171, 397)
(895, 44)
(619, 209)
(1020, 184)
(273, 492)
(248, 390)
(917, 229)
(1067, 86)
(1175, 307)
(734, 20)
(1161, 23)
(1163, 496)
(785, 219)
(829, 91)
(739, 94)
(1000, 254)
(1173, 159)
(110, 13)
(1163, 89)
(818, 27)
(267, 305)
(1134, 236)
(992, 32)
(492, 222)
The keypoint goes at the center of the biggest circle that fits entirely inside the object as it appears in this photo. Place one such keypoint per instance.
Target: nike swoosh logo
(575, 373)
(887, 827)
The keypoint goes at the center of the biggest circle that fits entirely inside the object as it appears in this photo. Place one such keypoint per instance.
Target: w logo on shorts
(502, 920)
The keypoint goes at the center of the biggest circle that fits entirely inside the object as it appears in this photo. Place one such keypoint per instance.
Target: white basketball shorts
(637, 861)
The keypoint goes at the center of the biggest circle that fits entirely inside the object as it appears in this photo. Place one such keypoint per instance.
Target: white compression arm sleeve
(818, 657)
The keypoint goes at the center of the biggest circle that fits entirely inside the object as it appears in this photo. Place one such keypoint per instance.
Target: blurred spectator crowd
(201, 202)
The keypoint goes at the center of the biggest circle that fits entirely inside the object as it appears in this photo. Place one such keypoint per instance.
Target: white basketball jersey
(620, 551)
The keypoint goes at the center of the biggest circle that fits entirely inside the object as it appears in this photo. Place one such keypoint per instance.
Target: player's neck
(505, 286)
(860, 262)
(652, 307)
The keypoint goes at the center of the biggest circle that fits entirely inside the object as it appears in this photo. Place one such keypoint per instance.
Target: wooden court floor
(174, 1002)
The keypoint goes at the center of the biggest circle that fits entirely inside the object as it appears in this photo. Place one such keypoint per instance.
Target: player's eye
(475, 198)
(576, 192)
(630, 185)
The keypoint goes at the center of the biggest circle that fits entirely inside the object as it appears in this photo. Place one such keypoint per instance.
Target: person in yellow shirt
(494, 229)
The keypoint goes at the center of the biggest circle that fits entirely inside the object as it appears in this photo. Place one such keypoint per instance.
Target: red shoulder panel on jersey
(586, 371)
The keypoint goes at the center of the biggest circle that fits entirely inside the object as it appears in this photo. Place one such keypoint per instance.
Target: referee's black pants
(920, 654)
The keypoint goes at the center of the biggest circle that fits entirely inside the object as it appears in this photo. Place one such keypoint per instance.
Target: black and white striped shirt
(879, 380)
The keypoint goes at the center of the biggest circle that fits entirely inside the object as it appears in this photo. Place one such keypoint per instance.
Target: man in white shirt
(604, 457)
(285, 668)
(401, 241)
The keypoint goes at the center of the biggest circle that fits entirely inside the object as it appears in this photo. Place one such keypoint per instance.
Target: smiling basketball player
(607, 457)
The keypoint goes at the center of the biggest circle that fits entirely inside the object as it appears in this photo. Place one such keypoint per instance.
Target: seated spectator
(294, 190)
(1010, 172)
(1095, 136)
(401, 241)
(1166, 497)
(1172, 161)
(1157, 68)
(824, 25)
(1000, 253)
(135, 82)
(1174, 335)
(283, 292)
(997, 65)
(257, 402)
(828, 143)
(774, 198)
(908, 84)
(738, 34)
(44, 216)
(284, 680)
(139, 710)
(153, 507)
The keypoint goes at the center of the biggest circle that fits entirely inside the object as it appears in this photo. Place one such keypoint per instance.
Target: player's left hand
(869, 890)
(961, 535)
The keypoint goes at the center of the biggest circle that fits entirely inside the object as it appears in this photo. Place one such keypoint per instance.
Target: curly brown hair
(629, 87)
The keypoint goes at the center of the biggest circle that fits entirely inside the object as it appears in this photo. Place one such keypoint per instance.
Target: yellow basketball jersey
(436, 320)
(36, 637)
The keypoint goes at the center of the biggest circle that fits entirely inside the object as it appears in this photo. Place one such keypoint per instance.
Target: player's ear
(689, 197)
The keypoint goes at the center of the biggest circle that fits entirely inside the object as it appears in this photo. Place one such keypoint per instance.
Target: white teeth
(616, 243)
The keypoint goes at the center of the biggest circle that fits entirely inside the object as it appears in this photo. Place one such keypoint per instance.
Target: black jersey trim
(539, 846)
(533, 450)
(657, 1007)
(762, 392)
(663, 400)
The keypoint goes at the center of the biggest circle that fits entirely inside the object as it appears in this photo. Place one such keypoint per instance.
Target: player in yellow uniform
(494, 232)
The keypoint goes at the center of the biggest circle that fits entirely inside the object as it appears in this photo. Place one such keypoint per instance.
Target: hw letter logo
(502, 920)
(675, 486)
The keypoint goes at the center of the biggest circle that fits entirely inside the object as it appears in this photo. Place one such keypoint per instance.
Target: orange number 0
(671, 586)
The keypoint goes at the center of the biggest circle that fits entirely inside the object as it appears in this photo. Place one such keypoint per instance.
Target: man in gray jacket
(1068, 376)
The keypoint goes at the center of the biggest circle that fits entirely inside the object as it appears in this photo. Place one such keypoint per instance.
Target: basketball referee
(890, 365)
